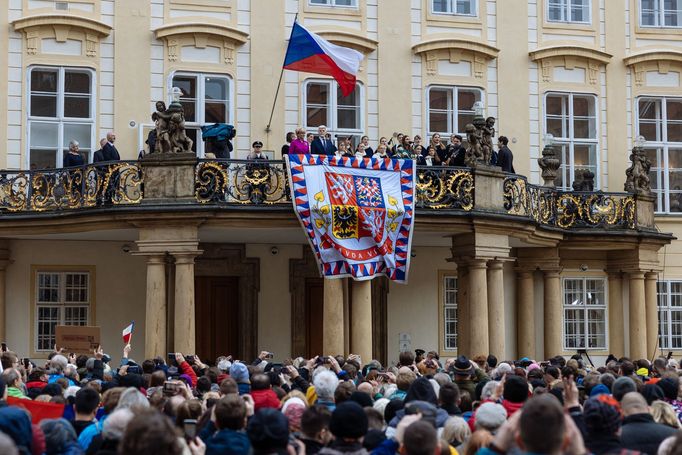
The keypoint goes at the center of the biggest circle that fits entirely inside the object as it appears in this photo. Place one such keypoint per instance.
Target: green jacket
(16, 393)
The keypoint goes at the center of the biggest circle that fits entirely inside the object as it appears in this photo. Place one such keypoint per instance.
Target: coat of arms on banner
(357, 213)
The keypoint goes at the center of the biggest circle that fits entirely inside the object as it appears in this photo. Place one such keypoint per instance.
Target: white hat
(490, 416)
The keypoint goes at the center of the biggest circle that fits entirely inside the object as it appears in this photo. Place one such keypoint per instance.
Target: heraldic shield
(357, 213)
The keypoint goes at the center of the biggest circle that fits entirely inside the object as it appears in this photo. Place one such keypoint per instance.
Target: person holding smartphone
(224, 433)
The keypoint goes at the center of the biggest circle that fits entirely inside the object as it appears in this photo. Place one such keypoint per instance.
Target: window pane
(76, 316)
(676, 329)
(580, 10)
(216, 112)
(466, 100)
(438, 121)
(43, 105)
(595, 292)
(554, 10)
(676, 294)
(76, 288)
(596, 326)
(190, 108)
(44, 81)
(77, 106)
(44, 134)
(43, 159)
(345, 2)
(215, 88)
(320, 2)
(317, 93)
(585, 156)
(48, 287)
(347, 119)
(440, 6)
(674, 117)
(187, 84)
(350, 100)
(79, 132)
(585, 122)
(316, 116)
(48, 318)
(574, 328)
(76, 82)
(465, 7)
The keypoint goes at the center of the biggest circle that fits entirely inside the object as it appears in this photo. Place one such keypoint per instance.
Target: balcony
(231, 185)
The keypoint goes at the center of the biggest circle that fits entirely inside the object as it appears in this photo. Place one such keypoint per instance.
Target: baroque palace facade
(207, 257)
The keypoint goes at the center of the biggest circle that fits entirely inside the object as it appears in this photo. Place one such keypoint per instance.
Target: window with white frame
(342, 3)
(455, 7)
(449, 109)
(584, 313)
(572, 119)
(670, 314)
(61, 108)
(660, 122)
(206, 99)
(574, 11)
(660, 13)
(324, 104)
(61, 298)
(449, 312)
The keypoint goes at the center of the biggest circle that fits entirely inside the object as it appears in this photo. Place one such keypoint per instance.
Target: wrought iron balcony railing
(71, 188)
(569, 209)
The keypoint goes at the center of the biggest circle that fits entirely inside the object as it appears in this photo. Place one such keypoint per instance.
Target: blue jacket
(243, 388)
(228, 442)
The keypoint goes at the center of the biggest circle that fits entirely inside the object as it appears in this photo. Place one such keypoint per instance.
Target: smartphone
(4, 346)
(26, 361)
(171, 359)
(270, 355)
(190, 358)
(189, 426)
(170, 388)
(670, 355)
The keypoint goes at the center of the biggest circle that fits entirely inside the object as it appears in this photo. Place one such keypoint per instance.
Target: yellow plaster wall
(4, 39)
(119, 289)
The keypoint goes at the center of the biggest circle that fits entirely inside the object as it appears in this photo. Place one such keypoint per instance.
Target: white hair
(59, 363)
(73, 143)
(132, 398)
(325, 383)
(456, 429)
(115, 424)
(488, 389)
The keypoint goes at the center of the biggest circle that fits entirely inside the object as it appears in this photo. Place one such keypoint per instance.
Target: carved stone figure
(637, 175)
(584, 180)
(487, 133)
(549, 163)
(474, 151)
(170, 129)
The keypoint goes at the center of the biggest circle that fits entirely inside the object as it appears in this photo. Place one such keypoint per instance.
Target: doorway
(216, 315)
(314, 316)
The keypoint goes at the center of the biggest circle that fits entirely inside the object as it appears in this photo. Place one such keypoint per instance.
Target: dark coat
(110, 153)
(641, 432)
(316, 148)
(99, 156)
(505, 160)
(71, 159)
(228, 442)
(457, 156)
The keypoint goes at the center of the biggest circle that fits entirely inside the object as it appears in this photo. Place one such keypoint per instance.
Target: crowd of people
(401, 146)
(333, 405)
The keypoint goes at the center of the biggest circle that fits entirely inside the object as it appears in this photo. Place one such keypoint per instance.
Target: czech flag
(310, 53)
(128, 333)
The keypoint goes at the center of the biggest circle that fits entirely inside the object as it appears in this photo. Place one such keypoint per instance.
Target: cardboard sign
(78, 339)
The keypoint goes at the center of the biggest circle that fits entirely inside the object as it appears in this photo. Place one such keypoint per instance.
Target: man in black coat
(321, 145)
(109, 151)
(505, 158)
(640, 431)
(99, 154)
(455, 151)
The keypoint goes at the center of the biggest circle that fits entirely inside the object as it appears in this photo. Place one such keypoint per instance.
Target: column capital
(186, 257)
(651, 276)
(554, 272)
(614, 274)
(636, 274)
(495, 264)
(477, 263)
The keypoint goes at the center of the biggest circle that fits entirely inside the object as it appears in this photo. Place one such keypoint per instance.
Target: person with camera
(224, 433)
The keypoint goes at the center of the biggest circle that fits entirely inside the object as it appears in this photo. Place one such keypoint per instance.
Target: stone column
(361, 323)
(553, 313)
(185, 331)
(332, 317)
(525, 314)
(616, 319)
(637, 326)
(496, 321)
(651, 303)
(462, 309)
(478, 308)
(155, 309)
(4, 262)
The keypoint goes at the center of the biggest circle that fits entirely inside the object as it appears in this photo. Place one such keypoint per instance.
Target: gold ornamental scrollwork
(211, 181)
(123, 183)
(13, 191)
(445, 189)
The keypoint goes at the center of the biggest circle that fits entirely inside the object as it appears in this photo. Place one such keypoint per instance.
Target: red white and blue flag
(310, 53)
(357, 213)
(128, 333)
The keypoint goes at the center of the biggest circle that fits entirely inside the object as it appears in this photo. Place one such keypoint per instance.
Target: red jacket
(36, 385)
(265, 399)
(186, 369)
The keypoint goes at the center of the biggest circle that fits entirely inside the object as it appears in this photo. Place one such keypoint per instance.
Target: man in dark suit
(455, 151)
(505, 158)
(109, 151)
(321, 145)
(99, 155)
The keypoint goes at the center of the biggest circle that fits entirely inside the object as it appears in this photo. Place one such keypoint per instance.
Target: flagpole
(279, 83)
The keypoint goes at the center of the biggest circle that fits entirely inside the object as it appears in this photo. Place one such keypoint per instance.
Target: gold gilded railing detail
(444, 188)
(569, 210)
(71, 188)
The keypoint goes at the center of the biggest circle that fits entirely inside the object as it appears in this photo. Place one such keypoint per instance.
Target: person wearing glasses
(257, 153)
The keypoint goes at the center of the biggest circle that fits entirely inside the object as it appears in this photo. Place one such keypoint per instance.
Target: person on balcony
(321, 145)
(455, 151)
(109, 150)
(438, 146)
(382, 152)
(368, 149)
(342, 150)
(73, 158)
(99, 154)
(505, 158)
(299, 145)
(257, 153)
(290, 138)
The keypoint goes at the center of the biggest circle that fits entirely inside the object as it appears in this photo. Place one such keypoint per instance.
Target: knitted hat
(490, 416)
(670, 388)
(348, 421)
(599, 389)
(293, 409)
(268, 430)
(601, 415)
(224, 365)
(643, 372)
(239, 372)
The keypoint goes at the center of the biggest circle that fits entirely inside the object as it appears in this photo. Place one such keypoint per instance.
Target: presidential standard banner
(357, 213)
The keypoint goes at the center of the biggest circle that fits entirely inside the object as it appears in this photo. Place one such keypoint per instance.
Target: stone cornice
(222, 32)
(350, 39)
(457, 43)
(653, 55)
(49, 20)
(570, 51)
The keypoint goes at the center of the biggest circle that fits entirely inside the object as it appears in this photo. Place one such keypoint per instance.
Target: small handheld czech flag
(128, 333)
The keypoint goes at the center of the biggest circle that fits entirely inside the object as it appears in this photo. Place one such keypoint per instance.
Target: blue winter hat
(239, 372)
(599, 389)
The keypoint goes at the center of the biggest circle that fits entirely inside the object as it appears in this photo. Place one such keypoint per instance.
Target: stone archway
(229, 260)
